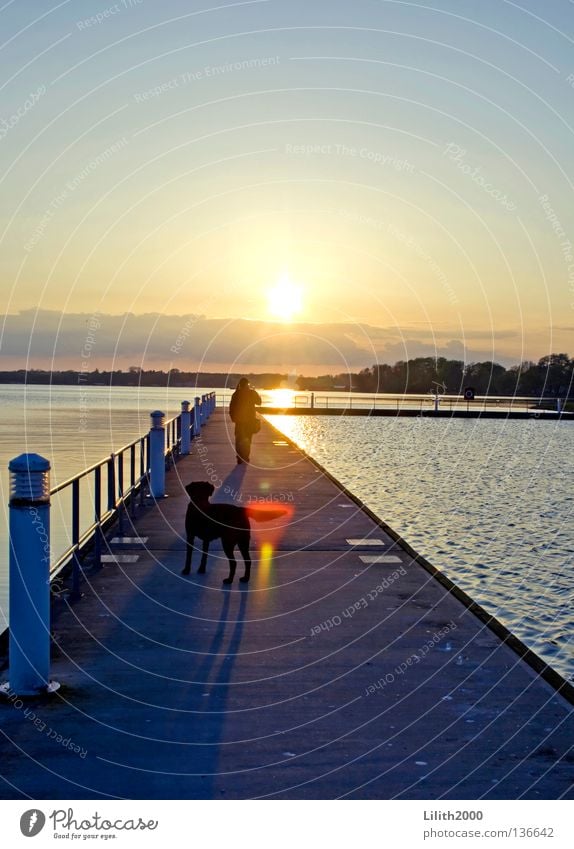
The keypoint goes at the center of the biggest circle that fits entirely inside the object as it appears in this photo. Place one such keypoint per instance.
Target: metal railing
(121, 477)
(366, 401)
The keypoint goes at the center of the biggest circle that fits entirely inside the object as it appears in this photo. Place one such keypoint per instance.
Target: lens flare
(266, 560)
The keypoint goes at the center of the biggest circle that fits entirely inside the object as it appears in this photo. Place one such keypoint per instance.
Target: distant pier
(347, 668)
(425, 412)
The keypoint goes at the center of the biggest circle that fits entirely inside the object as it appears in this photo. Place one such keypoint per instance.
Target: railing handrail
(105, 460)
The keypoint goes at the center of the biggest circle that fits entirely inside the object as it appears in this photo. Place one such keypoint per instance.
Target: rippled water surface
(487, 502)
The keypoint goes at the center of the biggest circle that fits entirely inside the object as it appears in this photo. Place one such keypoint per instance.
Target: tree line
(550, 377)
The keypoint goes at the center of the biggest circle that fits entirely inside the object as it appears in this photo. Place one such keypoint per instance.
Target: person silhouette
(243, 415)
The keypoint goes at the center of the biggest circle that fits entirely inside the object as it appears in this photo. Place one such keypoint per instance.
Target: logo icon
(32, 822)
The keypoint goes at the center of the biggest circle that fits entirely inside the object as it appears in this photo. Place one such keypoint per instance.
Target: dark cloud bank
(50, 339)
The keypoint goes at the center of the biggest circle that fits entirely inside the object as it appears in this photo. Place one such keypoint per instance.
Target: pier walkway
(344, 669)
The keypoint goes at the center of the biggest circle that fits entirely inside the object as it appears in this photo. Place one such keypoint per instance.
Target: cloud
(54, 340)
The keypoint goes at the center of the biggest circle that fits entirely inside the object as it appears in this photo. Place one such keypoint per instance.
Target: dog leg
(244, 549)
(228, 549)
(188, 553)
(203, 564)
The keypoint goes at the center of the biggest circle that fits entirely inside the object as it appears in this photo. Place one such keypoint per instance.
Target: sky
(301, 186)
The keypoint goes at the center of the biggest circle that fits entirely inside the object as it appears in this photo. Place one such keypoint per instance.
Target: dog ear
(191, 488)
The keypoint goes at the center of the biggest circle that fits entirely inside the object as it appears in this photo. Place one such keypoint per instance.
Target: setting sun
(284, 300)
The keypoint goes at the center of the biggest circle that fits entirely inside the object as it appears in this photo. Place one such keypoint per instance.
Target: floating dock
(344, 669)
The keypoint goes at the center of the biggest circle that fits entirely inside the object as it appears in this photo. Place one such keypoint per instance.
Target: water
(487, 502)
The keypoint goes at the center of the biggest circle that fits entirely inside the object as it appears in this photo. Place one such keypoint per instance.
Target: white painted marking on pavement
(379, 558)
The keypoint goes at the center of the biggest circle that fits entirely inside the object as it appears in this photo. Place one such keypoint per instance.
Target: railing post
(143, 442)
(111, 483)
(98, 517)
(197, 416)
(157, 455)
(121, 505)
(75, 593)
(29, 576)
(185, 427)
(133, 480)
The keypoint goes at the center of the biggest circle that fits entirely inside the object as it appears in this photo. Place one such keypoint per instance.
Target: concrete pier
(344, 669)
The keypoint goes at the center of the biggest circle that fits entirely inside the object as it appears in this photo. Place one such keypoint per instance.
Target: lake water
(487, 502)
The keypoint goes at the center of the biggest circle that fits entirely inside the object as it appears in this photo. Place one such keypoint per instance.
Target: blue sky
(408, 165)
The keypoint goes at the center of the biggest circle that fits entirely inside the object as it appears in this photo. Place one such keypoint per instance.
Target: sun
(285, 299)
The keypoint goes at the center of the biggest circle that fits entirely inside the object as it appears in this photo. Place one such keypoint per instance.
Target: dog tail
(261, 514)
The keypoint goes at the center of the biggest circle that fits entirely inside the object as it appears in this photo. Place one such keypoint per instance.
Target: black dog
(226, 521)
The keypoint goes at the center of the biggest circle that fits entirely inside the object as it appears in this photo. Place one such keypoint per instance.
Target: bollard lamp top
(29, 479)
(185, 406)
(157, 419)
(29, 463)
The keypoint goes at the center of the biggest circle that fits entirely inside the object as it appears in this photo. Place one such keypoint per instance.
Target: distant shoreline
(551, 378)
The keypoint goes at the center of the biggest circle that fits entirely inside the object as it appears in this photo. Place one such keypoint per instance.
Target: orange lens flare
(266, 560)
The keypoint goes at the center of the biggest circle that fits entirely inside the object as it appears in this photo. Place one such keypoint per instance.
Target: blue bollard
(185, 427)
(29, 645)
(157, 455)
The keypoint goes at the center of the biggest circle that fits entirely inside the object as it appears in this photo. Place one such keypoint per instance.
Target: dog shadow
(213, 682)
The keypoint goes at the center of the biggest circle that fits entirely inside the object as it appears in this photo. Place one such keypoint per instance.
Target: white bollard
(29, 577)
(157, 455)
(185, 425)
(197, 416)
